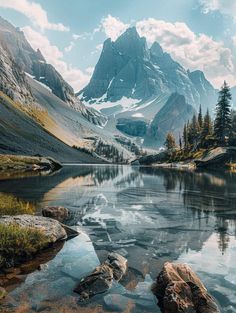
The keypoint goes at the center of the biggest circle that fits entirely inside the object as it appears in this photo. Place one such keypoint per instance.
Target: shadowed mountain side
(67, 124)
(171, 118)
(21, 135)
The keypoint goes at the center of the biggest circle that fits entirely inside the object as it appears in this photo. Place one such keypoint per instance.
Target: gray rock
(101, 279)
(52, 229)
(116, 302)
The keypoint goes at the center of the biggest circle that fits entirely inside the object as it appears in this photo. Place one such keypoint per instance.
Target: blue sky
(200, 34)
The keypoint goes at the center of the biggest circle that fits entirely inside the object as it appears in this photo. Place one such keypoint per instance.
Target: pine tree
(207, 129)
(185, 137)
(180, 142)
(193, 131)
(200, 118)
(170, 141)
(222, 124)
(207, 125)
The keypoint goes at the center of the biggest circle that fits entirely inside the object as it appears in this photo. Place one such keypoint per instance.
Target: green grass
(18, 244)
(10, 205)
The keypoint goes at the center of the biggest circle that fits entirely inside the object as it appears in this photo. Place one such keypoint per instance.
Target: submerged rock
(101, 279)
(179, 289)
(56, 212)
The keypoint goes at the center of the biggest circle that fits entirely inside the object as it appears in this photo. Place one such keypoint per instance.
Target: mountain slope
(127, 68)
(32, 62)
(36, 120)
(171, 118)
(22, 135)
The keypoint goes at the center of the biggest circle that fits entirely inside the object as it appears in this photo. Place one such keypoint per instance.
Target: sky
(199, 34)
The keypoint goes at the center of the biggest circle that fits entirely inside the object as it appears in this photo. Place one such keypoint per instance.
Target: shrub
(19, 243)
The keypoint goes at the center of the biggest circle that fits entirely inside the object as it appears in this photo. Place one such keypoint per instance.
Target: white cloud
(113, 27)
(226, 7)
(89, 70)
(99, 47)
(75, 77)
(34, 12)
(191, 50)
(234, 40)
(70, 46)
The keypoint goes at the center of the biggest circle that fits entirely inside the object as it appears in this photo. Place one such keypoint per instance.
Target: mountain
(34, 64)
(133, 83)
(128, 70)
(36, 120)
(171, 118)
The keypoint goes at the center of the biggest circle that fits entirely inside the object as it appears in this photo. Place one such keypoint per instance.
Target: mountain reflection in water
(150, 216)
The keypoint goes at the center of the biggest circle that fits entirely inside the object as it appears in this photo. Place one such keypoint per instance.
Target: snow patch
(137, 115)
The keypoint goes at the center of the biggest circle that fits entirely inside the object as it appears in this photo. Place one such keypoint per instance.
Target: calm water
(149, 216)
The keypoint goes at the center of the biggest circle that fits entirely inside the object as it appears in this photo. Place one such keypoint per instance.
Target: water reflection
(149, 216)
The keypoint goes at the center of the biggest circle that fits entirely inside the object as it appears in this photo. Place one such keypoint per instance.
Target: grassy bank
(19, 243)
(10, 205)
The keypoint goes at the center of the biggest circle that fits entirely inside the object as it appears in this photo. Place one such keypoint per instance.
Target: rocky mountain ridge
(127, 68)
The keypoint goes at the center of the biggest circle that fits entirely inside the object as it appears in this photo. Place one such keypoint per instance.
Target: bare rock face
(56, 212)
(179, 289)
(100, 280)
(52, 229)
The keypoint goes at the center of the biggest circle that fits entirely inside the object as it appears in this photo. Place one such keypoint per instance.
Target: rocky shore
(219, 158)
(177, 288)
(20, 163)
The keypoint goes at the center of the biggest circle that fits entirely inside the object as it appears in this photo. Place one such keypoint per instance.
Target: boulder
(150, 159)
(217, 158)
(101, 279)
(56, 212)
(52, 229)
(179, 289)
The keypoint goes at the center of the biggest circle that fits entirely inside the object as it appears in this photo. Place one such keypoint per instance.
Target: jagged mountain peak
(128, 69)
(156, 49)
(40, 56)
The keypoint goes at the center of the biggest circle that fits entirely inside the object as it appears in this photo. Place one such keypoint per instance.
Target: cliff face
(23, 59)
(33, 62)
(127, 68)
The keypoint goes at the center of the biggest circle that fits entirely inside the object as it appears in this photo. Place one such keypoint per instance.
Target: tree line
(202, 132)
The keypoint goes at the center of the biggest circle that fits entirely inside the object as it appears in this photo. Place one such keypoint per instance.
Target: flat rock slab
(101, 279)
(51, 228)
(180, 290)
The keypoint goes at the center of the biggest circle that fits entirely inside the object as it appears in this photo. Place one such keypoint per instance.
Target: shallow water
(149, 216)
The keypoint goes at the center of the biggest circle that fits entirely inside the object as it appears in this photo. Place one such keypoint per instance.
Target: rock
(179, 289)
(51, 228)
(3, 293)
(135, 163)
(116, 302)
(160, 157)
(217, 157)
(101, 279)
(28, 163)
(56, 212)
